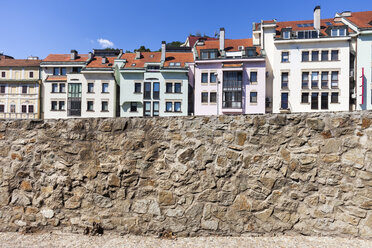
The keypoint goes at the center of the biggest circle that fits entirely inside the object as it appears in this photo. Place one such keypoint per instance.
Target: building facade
(308, 64)
(361, 24)
(79, 86)
(229, 77)
(154, 83)
(19, 88)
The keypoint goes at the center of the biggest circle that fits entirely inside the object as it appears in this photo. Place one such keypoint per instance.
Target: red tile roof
(56, 78)
(361, 19)
(155, 57)
(230, 45)
(19, 63)
(65, 58)
(178, 58)
(97, 62)
(194, 39)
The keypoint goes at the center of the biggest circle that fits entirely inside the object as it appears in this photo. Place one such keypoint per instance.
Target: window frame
(104, 103)
(203, 95)
(175, 88)
(283, 57)
(303, 97)
(302, 56)
(105, 89)
(133, 107)
(166, 106)
(174, 107)
(90, 103)
(137, 88)
(250, 77)
(337, 55)
(284, 83)
(214, 97)
(252, 98)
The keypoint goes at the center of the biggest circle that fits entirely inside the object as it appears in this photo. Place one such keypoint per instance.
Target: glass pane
(212, 78)
(169, 107)
(177, 107)
(63, 71)
(177, 87)
(204, 77)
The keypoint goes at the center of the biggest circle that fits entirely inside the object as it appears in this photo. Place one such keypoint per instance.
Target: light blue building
(154, 83)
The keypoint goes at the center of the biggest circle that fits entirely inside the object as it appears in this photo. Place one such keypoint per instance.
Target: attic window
(303, 25)
(251, 52)
(152, 55)
(286, 35)
(370, 23)
(338, 32)
(153, 67)
(175, 64)
(133, 64)
(328, 24)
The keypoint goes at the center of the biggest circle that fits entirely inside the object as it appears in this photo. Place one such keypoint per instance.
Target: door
(74, 99)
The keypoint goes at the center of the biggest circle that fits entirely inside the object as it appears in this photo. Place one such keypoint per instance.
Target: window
(63, 71)
(324, 100)
(168, 106)
(253, 97)
(3, 74)
(305, 98)
(61, 105)
(90, 106)
(314, 101)
(284, 80)
(315, 56)
(168, 87)
(314, 79)
(54, 88)
(90, 87)
(155, 109)
(104, 107)
(76, 69)
(24, 108)
(285, 57)
(177, 88)
(286, 35)
(324, 79)
(204, 78)
(137, 87)
(62, 88)
(305, 80)
(232, 89)
(30, 108)
(212, 78)
(104, 87)
(12, 108)
(305, 56)
(147, 90)
(2, 89)
(54, 105)
(153, 67)
(177, 106)
(204, 97)
(31, 74)
(212, 97)
(334, 55)
(147, 109)
(156, 90)
(208, 54)
(2, 108)
(133, 107)
(308, 34)
(284, 101)
(55, 71)
(253, 77)
(334, 97)
(324, 55)
(251, 52)
(338, 32)
(24, 89)
(334, 79)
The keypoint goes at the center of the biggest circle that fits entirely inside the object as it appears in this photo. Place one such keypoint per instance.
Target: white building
(79, 86)
(308, 64)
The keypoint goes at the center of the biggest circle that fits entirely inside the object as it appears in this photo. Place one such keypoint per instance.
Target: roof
(19, 62)
(362, 20)
(324, 24)
(230, 45)
(194, 39)
(155, 57)
(96, 62)
(52, 78)
(65, 58)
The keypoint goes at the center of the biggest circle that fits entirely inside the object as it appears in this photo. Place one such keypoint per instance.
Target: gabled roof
(362, 20)
(65, 58)
(230, 45)
(19, 62)
(96, 62)
(155, 57)
(194, 39)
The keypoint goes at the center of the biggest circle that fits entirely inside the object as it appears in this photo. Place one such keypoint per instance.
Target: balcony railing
(7, 115)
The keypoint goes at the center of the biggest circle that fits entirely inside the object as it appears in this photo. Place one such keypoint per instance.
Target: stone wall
(296, 174)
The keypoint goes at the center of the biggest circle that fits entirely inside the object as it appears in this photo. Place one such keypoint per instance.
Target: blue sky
(41, 27)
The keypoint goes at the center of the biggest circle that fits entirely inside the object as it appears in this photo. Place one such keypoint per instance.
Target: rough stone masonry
(305, 174)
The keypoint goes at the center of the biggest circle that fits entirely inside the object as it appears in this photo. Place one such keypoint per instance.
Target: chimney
(163, 50)
(104, 60)
(317, 17)
(222, 39)
(74, 54)
(90, 56)
(138, 55)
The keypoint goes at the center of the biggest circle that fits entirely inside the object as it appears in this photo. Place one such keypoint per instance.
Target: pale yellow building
(19, 88)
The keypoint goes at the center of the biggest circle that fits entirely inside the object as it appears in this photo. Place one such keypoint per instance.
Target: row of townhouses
(286, 67)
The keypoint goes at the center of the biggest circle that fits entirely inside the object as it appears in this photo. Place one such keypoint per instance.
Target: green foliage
(142, 49)
(175, 44)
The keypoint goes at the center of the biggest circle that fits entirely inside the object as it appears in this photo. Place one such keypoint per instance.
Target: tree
(142, 49)
(175, 44)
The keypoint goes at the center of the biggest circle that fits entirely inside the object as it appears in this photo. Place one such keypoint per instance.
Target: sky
(42, 27)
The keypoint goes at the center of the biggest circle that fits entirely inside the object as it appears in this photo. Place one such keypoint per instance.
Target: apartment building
(79, 85)
(154, 83)
(229, 77)
(361, 24)
(308, 64)
(19, 88)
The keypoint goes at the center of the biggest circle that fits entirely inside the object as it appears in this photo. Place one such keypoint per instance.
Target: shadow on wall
(126, 106)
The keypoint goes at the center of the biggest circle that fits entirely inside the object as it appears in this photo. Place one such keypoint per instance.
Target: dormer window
(153, 67)
(152, 55)
(208, 54)
(338, 32)
(251, 52)
(286, 35)
(307, 34)
(133, 64)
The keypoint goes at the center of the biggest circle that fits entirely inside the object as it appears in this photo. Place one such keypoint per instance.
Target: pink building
(229, 77)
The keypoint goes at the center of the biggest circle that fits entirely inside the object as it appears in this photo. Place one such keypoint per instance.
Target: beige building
(19, 88)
